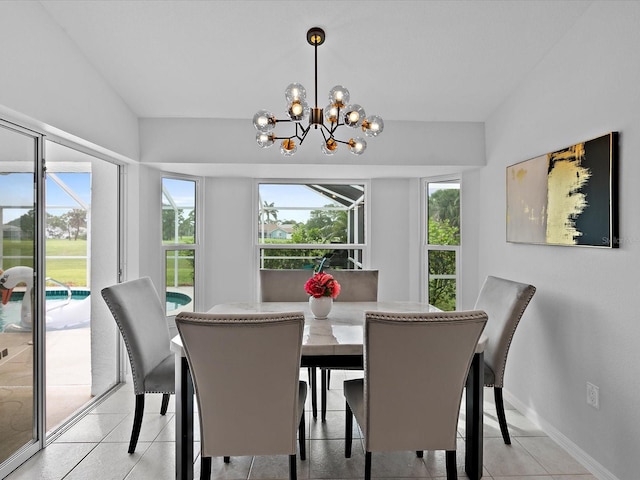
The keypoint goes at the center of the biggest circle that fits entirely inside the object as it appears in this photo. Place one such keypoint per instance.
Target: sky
(16, 190)
(292, 196)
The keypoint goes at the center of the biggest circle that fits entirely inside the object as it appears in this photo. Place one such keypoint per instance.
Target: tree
(444, 205)
(268, 212)
(76, 219)
(326, 226)
(187, 225)
(26, 223)
(56, 226)
(444, 229)
(442, 291)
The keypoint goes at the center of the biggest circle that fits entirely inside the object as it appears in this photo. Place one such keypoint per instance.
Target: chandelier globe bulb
(373, 126)
(295, 92)
(298, 110)
(264, 121)
(357, 145)
(329, 147)
(331, 113)
(339, 96)
(265, 139)
(288, 147)
(353, 115)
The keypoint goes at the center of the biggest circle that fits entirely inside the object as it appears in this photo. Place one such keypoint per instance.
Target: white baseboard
(574, 450)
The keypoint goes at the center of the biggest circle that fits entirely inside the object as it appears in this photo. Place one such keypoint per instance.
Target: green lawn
(73, 271)
(70, 271)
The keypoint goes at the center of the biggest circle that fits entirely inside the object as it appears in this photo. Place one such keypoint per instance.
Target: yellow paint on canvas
(564, 200)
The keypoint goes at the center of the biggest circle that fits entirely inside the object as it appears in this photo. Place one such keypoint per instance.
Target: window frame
(196, 246)
(362, 246)
(426, 247)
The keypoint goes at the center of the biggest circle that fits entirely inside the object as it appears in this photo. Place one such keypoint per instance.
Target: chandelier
(339, 112)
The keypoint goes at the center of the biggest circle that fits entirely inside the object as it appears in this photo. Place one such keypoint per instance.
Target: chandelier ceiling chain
(339, 112)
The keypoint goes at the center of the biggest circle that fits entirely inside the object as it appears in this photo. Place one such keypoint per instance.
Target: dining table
(334, 342)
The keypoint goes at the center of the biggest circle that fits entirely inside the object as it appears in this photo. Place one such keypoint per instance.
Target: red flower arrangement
(322, 285)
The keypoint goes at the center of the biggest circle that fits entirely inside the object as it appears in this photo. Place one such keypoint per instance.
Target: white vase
(320, 306)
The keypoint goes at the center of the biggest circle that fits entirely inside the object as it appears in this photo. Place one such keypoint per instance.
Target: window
(180, 245)
(442, 256)
(302, 225)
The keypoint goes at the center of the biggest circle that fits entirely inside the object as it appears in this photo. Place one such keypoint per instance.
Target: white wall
(395, 237)
(147, 253)
(230, 263)
(229, 256)
(49, 84)
(583, 323)
(215, 141)
(230, 273)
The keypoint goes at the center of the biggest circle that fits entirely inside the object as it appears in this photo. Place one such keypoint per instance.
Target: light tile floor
(96, 448)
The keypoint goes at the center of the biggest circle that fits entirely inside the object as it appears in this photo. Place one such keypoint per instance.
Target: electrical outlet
(593, 396)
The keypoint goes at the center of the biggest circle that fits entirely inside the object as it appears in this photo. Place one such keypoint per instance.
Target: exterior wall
(582, 325)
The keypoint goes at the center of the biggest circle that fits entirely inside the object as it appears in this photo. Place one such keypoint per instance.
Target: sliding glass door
(59, 248)
(81, 244)
(19, 340)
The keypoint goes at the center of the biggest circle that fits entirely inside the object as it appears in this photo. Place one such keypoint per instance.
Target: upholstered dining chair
(246, 371)
(504, 301)
(415, 369)
(356, 286)
(281, 285)
(139, 314)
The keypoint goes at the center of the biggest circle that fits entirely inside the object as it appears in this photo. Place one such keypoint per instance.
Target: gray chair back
(279, 285)
(416, 367)
(356, 285)
(288, 285)
(139, 314)
(504, 301)
(246, 372)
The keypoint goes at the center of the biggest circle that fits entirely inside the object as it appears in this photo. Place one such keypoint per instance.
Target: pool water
(176, 300)
(76, 313)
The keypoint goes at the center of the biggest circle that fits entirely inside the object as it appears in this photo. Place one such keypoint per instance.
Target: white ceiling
(404, 60)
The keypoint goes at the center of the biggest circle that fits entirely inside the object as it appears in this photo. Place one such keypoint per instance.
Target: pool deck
(68, 377)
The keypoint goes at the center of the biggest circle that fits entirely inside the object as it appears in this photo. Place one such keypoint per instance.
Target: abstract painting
(567, 197)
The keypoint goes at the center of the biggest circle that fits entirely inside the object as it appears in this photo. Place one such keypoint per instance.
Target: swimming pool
(75, 313)
(177, 300)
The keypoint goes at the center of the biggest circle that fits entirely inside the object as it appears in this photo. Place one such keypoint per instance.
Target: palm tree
(268, 212)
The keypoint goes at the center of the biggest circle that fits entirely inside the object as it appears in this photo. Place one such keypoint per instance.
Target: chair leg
(293, 470)
(452, 465)
(323, 393)
(301, 438)
(205, 468)
(502, 419)
(367, 466)
(348, 431)
(314, 401)
(165, 404)
(137, 422)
